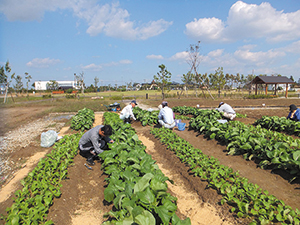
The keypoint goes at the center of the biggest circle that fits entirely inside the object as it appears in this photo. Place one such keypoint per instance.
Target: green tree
(96, 81)
(217, 79)
(28, 78)
(52, 85)
(19, 84)
(187, 79)
(4, 78)
(163, 79)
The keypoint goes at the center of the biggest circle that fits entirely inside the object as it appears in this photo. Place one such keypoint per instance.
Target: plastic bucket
(181, 126)
(177, 122)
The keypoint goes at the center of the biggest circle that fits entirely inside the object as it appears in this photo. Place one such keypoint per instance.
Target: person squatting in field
(166, 116)
(126, 112)
(94, 142)
(294, 113)
(227, 110)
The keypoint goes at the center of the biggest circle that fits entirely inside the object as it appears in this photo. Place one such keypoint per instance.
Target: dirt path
(189, 203)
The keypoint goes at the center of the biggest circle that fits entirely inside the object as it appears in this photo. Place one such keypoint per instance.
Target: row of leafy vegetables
(32, 202)
(272, 148)
(247, 199)
(281, 124)
(136, 186)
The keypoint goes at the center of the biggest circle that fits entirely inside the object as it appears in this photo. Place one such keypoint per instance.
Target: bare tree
(80, 81)
(194, 62)
(96, 81)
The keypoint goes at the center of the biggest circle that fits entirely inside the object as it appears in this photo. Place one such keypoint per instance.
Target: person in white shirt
(166, 116)
(126, 112)
(227, 110)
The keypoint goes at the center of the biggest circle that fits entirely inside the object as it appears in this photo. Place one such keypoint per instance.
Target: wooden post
(275, 88)
(255, 89)
(286, 90)
(266, 92)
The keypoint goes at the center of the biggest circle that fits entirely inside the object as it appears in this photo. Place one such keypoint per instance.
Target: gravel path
(21, 137)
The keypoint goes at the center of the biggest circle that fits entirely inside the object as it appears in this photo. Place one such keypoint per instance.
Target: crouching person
(166, 116)
(127, 113)
(94, 142)
(227, 110)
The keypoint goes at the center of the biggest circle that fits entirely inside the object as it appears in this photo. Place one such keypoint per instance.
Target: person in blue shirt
(294, 113)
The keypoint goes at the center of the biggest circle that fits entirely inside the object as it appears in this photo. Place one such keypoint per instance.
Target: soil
(82, 199)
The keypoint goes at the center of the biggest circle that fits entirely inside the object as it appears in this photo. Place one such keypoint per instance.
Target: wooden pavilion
(272, 80)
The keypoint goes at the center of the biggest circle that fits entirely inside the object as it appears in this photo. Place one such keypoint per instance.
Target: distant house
(62, 85)
(153, 85)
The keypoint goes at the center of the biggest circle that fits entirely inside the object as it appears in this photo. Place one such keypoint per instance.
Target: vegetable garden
(137, 189)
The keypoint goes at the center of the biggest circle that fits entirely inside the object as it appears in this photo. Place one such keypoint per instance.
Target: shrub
(47, 96)
(261, 96)
(70, 96)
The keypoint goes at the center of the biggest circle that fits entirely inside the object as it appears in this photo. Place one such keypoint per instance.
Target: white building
(42, 85)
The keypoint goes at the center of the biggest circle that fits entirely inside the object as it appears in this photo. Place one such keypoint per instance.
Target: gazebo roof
(271, 80)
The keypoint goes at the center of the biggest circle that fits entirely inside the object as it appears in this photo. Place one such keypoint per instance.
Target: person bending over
(94, 142)
(227, 110)
(294, 113)
(127, 113)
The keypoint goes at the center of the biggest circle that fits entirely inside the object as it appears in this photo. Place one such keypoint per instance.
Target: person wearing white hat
(166, 116)
(227, 110)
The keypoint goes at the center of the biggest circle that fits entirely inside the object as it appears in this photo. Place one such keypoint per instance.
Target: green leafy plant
(83, 120)
(136, 186)
(247, 199)
(280, 124)
(43, 184)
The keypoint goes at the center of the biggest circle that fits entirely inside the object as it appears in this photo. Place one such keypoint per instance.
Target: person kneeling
(94, 142)
(166, 116)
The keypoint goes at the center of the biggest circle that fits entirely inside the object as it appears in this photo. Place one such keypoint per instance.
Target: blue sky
(125, 41)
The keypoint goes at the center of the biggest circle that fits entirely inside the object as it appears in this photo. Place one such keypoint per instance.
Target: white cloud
(216, 53)
(247, 21)
(28, 10)
(259, 58)
(205, 29)
(293, 48)
(114, 22)
(42, 63)
(125, 61)
(180, 56)
(154, 57)
(92, 67)
(109, 19)
(95, 67)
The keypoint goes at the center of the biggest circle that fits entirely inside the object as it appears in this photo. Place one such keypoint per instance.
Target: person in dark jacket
(294, 113)
(94, 142)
